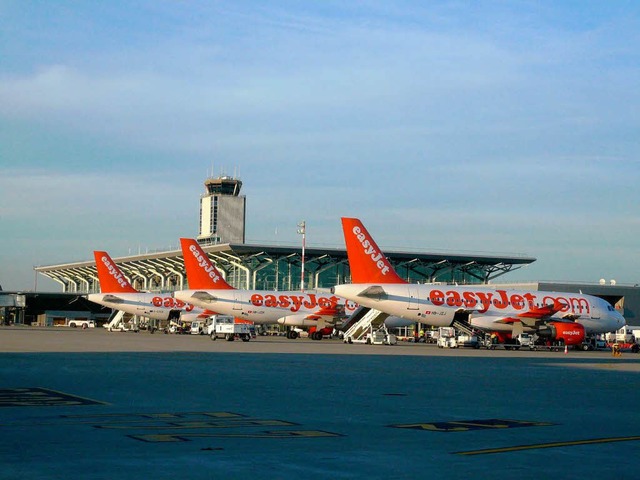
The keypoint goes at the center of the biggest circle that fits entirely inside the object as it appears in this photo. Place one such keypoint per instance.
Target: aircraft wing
(537, 315)
(543, 312)
(532, 319)
(321, 317)
(328, 314)
(516, 325)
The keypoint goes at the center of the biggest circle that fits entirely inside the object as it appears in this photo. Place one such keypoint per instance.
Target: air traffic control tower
(222, 212)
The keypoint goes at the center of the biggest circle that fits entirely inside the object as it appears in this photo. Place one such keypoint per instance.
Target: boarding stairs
(466, 328)
(366, 320)
(118, 321)
(353, 318)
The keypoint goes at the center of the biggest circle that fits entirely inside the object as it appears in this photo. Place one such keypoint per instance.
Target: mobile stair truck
(224, 326)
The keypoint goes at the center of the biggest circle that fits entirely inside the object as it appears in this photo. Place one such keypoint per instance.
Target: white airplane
(318, 311)
(559, 317)
(117, 293)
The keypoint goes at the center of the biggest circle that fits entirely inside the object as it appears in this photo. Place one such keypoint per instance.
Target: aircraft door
(143, 306)
(237, 300)
(414, 300)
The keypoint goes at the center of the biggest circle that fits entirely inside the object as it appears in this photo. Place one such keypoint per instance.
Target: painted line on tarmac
(466, 425)
(573, 443)
(160, 438)
(165, 427)
(248, 422)
(42, 397)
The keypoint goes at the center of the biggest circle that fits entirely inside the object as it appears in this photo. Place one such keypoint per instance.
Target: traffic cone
(565, 349)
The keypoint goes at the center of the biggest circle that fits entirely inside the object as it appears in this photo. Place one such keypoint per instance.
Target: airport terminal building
(254, 266)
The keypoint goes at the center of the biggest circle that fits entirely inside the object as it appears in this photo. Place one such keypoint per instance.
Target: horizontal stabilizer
(376, 292)
(204, 297)
(113, 299)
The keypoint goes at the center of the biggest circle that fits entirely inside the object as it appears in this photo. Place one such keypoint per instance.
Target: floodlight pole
(302, 227)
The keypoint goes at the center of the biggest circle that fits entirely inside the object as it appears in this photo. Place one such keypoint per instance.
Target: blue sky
(503, 127)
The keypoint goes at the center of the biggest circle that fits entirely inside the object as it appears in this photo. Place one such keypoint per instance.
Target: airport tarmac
(93, 404)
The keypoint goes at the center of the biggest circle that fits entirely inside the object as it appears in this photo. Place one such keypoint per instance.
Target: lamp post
(302, 227)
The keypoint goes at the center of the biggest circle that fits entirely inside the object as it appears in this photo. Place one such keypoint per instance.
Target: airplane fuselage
(292, 308)
(437, 305)
(150, 305)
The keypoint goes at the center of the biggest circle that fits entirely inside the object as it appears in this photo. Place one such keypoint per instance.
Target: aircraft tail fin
(201, 273)
(366, 261)
(111, 278)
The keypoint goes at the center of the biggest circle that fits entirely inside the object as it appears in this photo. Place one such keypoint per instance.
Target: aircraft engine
(298, 321)
(570, 333)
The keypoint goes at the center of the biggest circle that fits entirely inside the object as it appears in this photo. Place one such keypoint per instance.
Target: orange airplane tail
(366, 261)
(111, 278)
(201, 273)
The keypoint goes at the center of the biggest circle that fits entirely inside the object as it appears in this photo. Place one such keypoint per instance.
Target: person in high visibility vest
(615, 350)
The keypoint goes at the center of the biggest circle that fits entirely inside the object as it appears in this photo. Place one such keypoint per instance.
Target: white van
(80, 323)
(197, 328)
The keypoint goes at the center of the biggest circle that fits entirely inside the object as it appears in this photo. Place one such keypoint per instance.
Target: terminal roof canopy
(279, 268)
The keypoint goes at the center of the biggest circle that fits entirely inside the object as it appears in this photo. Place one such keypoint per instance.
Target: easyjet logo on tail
(115, 272)
(377, 257)
(366, 261)
(205, 264)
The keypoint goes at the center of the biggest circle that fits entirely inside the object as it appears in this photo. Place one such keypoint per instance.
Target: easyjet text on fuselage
(294, 302)
(503, 299)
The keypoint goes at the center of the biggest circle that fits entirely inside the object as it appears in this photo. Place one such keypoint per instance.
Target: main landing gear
(293, 334)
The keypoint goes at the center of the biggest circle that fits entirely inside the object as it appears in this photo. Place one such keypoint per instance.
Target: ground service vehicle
(525, 340)
(380, 336)
(469, 341)
(74, 323)
(447, 338)
(198, 328)
(594, 343)
(224, 326)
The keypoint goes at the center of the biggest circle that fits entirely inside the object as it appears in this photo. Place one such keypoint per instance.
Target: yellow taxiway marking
(573, 443)
(466, 425)
(157, 438)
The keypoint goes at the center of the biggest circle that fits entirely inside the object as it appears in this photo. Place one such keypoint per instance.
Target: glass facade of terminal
(285, 274)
